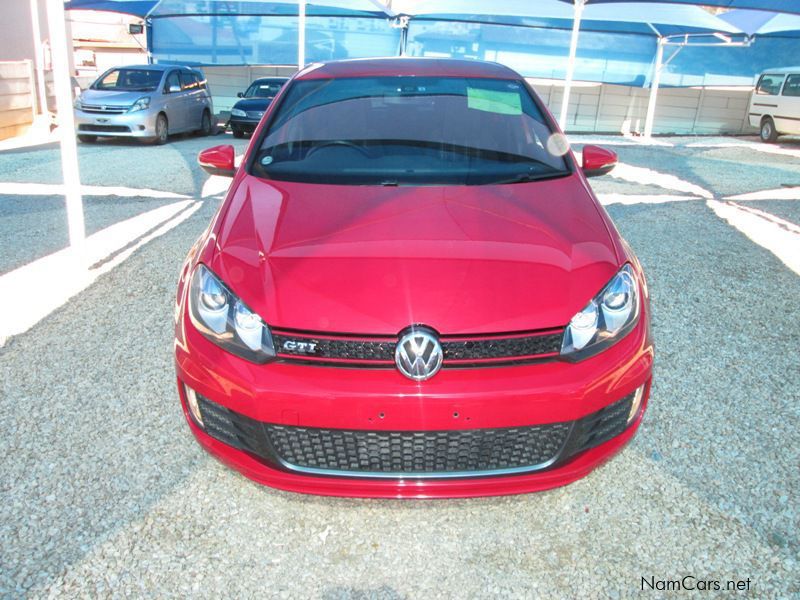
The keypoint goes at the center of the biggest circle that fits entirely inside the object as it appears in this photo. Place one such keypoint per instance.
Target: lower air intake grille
(414, 454)
(424, 452)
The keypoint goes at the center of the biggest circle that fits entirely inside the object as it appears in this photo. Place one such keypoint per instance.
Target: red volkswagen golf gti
(410, 290)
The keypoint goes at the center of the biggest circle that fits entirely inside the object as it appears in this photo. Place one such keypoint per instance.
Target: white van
(775, 105)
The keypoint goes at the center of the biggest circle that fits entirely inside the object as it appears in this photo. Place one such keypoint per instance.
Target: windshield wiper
(529, 177)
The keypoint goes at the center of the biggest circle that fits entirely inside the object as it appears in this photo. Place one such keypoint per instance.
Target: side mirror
(598, 161)
(240, 94)
(174, 89)
(218, 160)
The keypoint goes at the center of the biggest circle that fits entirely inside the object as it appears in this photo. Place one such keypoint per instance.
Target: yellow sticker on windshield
(504, 103)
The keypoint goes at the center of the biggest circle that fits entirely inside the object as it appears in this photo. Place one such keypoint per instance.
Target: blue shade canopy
(643, 18)
(177, 8)
(787, 6)
(763, 23)
(138, 8)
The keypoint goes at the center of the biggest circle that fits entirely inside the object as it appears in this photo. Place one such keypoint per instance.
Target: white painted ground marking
(615, 198)
(35, 290)
(758, 147)
(57, 189)
(780, 237)
(646, 176)
(788, 193)
(215, 185)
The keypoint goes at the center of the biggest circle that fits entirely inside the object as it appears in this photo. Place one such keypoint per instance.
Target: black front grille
(451, 453)
(105, 128)
(381, 351)
(254, 114)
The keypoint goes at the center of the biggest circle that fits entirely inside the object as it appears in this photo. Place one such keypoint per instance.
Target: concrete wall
(593, 107)
(226, 82)
(606, 108)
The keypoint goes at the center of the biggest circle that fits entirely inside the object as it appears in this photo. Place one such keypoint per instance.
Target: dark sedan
(247, 112)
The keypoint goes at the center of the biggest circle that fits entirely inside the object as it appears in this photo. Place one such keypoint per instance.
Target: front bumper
(139, 124)
(300, 398)
(244, 123)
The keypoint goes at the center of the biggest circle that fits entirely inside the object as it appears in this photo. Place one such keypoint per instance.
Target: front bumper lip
(141, 124)
(498, 485)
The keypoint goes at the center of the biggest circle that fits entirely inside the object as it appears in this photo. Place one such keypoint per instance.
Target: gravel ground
(104, 491)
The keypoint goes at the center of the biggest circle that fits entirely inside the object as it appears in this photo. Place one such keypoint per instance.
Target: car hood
(253, 104)
(111, 98)
(374, 260)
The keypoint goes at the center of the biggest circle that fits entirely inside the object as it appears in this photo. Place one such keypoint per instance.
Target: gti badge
(295, 347)
(419, 354)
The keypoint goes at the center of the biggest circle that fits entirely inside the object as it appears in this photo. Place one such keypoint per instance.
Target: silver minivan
(144, 101)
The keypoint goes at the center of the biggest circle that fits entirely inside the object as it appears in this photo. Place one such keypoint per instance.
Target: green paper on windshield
(504, 103)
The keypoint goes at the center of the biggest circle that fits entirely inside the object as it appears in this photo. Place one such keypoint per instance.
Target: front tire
(205, 124)
(769, 134)
(162, 130)
(237, 132)
(87, 139)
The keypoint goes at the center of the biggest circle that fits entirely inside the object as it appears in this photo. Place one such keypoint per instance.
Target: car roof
(781, 71)
(275, 78)
(155, 67)
(396, 66)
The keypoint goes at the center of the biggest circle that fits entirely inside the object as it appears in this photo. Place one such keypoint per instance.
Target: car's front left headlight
(606, 319)
(141, 104)
(224, 319)
(238, 112)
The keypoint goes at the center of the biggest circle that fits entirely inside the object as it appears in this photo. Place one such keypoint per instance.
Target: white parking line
(57, 189)
(758, 147)
(780, 237)
(646, 176)
(36, 289)
(787, 193)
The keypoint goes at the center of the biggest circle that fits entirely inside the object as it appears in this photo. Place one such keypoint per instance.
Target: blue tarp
(764, 23)
(788, 6)
(138, 8)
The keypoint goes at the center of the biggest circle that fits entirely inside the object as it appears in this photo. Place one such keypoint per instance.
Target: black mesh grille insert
(408, 452)
(451, 453)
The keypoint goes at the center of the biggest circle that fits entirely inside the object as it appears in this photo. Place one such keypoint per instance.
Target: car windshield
(409, 131)
(263, 89)
(129, 80)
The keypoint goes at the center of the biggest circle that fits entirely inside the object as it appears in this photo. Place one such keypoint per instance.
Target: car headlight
(77, 103)
(237, 112)
(224, 319)
(605, 320)
(140, 104)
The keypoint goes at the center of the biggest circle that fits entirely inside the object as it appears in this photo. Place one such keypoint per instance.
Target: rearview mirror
(598, 161)
(240, 94)
(218, 160)
(174, 89)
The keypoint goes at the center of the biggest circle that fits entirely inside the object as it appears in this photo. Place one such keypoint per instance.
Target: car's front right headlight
(224, 319)
(606, 319)
(238, 112)
(141, 104)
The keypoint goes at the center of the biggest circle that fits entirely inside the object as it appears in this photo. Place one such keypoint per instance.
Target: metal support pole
(301, 34)
(66, 121)
(654, 83)
(38, 56)
(573, 50)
